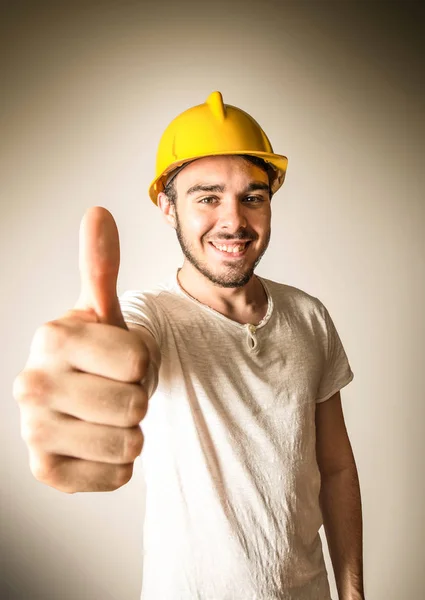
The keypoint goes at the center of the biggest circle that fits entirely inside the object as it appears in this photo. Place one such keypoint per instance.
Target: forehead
(223, 169)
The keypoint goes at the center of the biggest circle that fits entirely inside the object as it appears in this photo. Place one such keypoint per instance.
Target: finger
(99, 400)
(122, 357)
(99, 261)
(71, 475)
(87, 397)
(66, 436)
(93, 348)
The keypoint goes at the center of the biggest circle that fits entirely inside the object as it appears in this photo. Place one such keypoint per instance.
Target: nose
(232, 215)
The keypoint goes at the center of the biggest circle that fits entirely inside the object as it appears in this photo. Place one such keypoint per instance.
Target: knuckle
(138, 361)
(32, 386)
(137, 406)
(123, 474)
(35, 432)
(19, 388)
(44, 469)
(133, 444)
(49, 338)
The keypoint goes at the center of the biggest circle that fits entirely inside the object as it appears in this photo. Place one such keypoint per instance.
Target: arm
(340, 499)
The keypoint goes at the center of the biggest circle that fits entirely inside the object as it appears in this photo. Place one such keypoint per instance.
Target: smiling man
(236, 379)
(246, 452)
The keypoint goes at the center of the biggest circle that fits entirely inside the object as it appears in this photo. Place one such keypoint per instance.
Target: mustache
(241, 234)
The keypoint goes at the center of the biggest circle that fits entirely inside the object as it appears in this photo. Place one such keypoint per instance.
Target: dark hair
(171, 192)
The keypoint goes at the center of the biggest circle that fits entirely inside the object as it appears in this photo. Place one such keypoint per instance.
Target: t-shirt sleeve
(140, 308)
(337, 372)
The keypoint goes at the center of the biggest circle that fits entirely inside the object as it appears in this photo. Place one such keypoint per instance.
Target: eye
(254, 199)
(207, 200)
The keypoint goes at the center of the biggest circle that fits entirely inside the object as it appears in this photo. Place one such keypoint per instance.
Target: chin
(235, 283)
(226, 278)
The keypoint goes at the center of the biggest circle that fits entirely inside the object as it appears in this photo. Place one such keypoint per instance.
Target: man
(237, 380)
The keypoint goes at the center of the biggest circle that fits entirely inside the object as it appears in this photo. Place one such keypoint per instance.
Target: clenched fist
(80, 394)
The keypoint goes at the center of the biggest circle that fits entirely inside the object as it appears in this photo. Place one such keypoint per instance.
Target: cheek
(197, 224)
(261, 223)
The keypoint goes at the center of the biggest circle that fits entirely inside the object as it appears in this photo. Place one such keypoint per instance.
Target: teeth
(230, 249)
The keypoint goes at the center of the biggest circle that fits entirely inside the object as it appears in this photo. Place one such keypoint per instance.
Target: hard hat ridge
(217, 107)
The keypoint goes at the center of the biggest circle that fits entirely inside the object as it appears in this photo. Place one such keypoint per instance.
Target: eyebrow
(220, 188)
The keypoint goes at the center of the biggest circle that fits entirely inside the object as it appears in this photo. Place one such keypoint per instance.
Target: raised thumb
(99, 261)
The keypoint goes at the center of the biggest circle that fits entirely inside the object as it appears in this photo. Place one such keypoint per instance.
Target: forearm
(342, 518)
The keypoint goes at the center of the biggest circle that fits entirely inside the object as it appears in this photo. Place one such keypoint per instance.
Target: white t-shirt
(232, 482)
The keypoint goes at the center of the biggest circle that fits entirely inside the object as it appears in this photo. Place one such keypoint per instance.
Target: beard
(235, 275)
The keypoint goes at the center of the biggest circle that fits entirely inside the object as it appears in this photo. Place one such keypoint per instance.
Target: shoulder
(159, 302)
(289, 297)
(161, 292)
(149, 308)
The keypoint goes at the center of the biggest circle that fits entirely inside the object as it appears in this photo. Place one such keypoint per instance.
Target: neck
(246, 304)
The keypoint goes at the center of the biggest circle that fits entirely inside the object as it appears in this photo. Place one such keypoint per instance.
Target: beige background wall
(87, 88)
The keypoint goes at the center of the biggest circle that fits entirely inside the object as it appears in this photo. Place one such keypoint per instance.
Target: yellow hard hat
(213, 129)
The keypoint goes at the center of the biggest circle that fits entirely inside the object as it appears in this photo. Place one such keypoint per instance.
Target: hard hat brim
(277, 161)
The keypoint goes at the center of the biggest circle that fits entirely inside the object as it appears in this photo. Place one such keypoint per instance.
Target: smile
(234, 249)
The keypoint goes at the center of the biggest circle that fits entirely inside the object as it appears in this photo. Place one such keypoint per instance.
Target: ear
(168, 209)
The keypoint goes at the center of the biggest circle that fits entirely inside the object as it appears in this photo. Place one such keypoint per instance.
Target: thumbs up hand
(80, 393)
